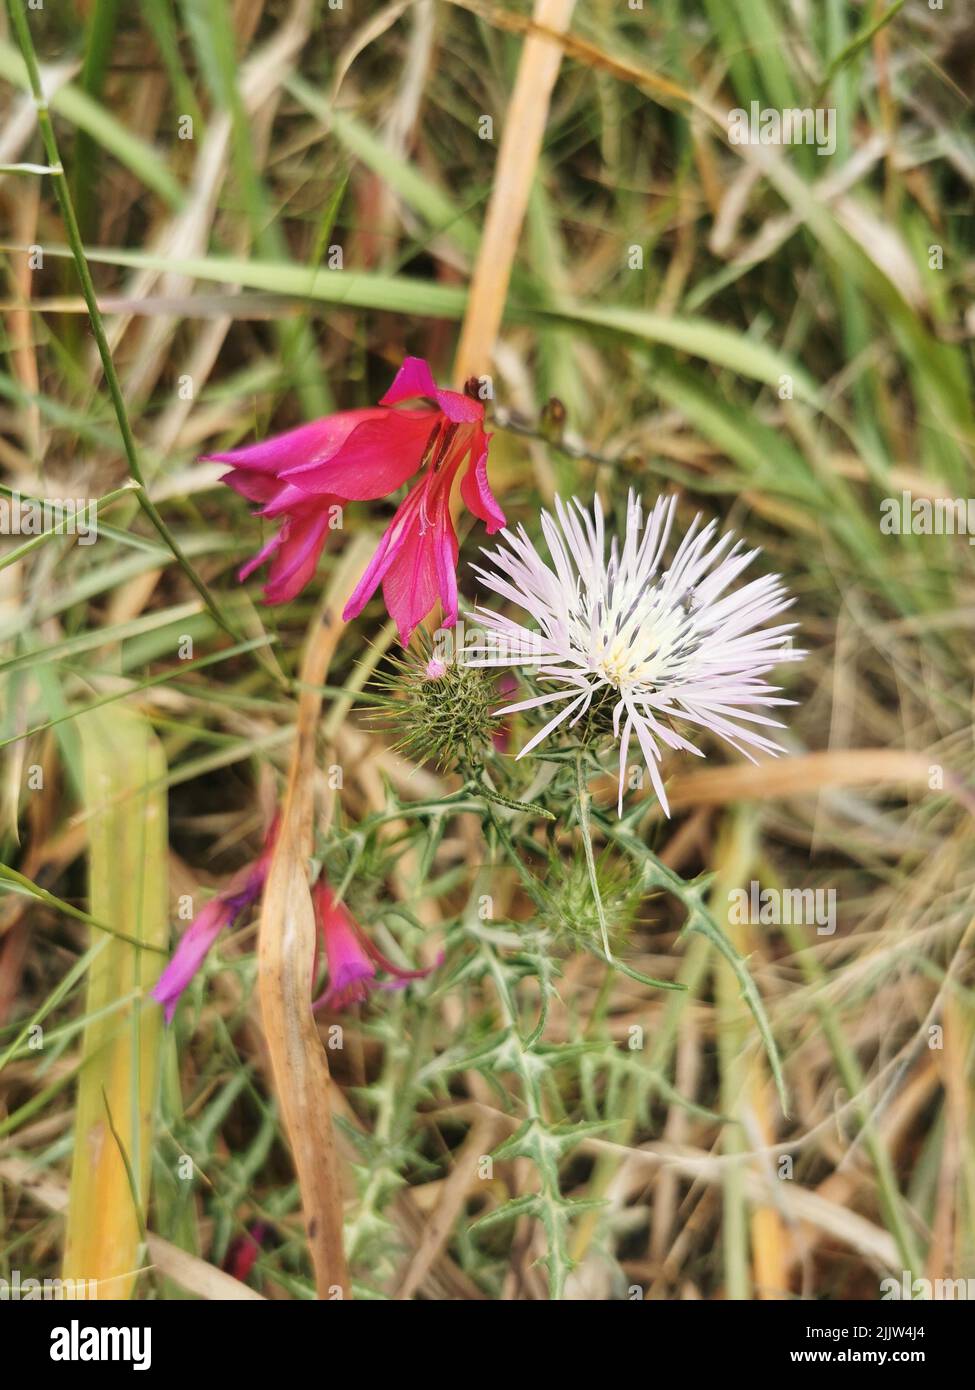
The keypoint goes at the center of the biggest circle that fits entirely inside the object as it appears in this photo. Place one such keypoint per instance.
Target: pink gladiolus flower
(359, 455)
(353, 960)
(416, 562)
(223, 910)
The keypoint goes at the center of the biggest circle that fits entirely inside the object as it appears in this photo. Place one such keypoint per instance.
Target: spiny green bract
(571, 908)
(441, 710)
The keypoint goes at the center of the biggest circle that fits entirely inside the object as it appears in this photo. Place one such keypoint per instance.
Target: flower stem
(584, 826)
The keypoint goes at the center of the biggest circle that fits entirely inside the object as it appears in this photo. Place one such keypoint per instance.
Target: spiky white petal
(672, 643)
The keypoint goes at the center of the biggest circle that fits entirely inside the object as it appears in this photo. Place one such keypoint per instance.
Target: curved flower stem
(584, 826)
(700, 920)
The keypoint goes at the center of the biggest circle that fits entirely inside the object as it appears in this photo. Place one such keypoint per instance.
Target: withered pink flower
(359, 455)
(353, 960)
(222, 911)
(243, 1251)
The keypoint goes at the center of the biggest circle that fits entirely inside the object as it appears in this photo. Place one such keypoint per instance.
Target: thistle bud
(441, 709)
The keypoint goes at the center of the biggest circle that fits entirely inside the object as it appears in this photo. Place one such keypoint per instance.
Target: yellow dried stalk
(125, 795)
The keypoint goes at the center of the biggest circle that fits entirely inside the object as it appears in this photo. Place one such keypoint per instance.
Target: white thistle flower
(660, 644)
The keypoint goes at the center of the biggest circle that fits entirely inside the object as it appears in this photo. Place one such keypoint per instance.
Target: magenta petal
(461, 409)
(416, 565)
(308, 444)
(288, 498)
(256, 487)
(351, 985)
(295, 550)
(257, 560)
(350, 971)
(394, 538)
(219, 912)
(476, 490)
(410, 587)
(413, 379)
(376, 458)
(445, 559)
(301, 542)
(352, 957)
(190, 953)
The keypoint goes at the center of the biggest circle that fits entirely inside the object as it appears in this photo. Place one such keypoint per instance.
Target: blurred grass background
(277, 202)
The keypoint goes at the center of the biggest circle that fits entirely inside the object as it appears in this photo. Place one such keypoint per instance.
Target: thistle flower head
(637, 643)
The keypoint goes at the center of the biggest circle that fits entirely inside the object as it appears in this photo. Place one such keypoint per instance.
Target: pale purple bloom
(658, 642)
